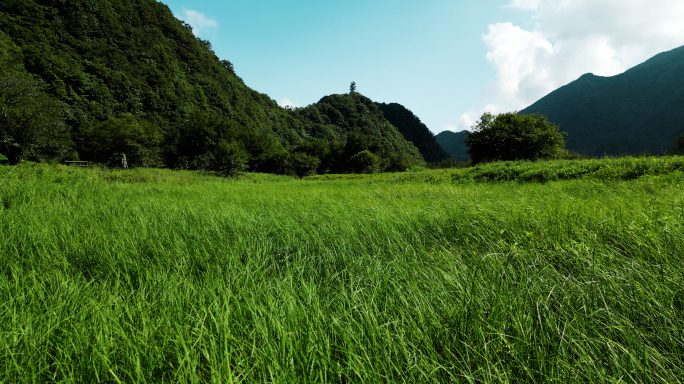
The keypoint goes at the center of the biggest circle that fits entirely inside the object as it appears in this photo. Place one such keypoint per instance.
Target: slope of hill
(453, 144)
(413, 130)
(131, 78)
(114, 56)
(639, 111)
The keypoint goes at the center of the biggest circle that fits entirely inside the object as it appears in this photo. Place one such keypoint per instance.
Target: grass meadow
(156, 276)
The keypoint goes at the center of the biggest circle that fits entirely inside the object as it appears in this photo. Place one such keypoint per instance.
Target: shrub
(303, 164)
(364, 162)
(399, 162)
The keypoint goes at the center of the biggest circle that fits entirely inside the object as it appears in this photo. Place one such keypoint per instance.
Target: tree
(512, 136)
(399, 162)
(303, 164)
(352, 87)
(107, 141)
(31, 124)
(230, 159)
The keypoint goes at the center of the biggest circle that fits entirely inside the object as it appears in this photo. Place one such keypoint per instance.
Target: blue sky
(445, 60)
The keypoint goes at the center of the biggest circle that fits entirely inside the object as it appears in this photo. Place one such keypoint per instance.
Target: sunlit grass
(163, 276)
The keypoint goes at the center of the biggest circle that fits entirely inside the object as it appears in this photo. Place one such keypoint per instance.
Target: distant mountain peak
(636, 112)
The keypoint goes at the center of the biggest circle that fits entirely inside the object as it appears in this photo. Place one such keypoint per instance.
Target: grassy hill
(639, 111)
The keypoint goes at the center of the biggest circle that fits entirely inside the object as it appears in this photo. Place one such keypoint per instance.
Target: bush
(364, 162)
(399, 162)
(303, 164)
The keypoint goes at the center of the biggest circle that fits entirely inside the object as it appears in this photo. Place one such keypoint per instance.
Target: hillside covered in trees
(453, 144)
(113, 76)
(639, 111)
(414, 130)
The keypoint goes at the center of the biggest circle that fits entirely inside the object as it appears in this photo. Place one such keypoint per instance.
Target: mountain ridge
(453, 144)
(638, 111)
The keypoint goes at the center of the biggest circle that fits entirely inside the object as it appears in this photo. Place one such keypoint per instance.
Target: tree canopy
(512, 136)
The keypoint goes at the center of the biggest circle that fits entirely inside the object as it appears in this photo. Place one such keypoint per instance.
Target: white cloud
(201, 24)
(467, 120)
(516, 55)
(287, 103)
(565, 39)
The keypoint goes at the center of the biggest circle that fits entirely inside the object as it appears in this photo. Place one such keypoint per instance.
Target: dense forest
(414, 131)
(96, 79)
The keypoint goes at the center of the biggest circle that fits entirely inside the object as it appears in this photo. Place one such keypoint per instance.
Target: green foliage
(543, 171)
(303, 164)
(106, 142)
(398, 162)
(356, 122)
(413, 130)
(451, 163)
(364, 162)
(11, 58)
(512, 136)
(112, 58)
(147, 275)
(31, 123)
(229, 159)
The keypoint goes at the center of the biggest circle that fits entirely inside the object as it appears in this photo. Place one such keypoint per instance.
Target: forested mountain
(639, 111)
(453, 144)
(414, 131)
(340, 127)
(125, 76)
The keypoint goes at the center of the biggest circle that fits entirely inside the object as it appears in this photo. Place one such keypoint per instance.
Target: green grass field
(149, 276)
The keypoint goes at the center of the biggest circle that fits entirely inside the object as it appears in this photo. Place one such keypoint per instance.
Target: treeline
(208, 141)
(96, 79)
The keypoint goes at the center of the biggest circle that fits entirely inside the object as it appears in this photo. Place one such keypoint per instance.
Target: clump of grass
(191, 278)
(607, 169)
